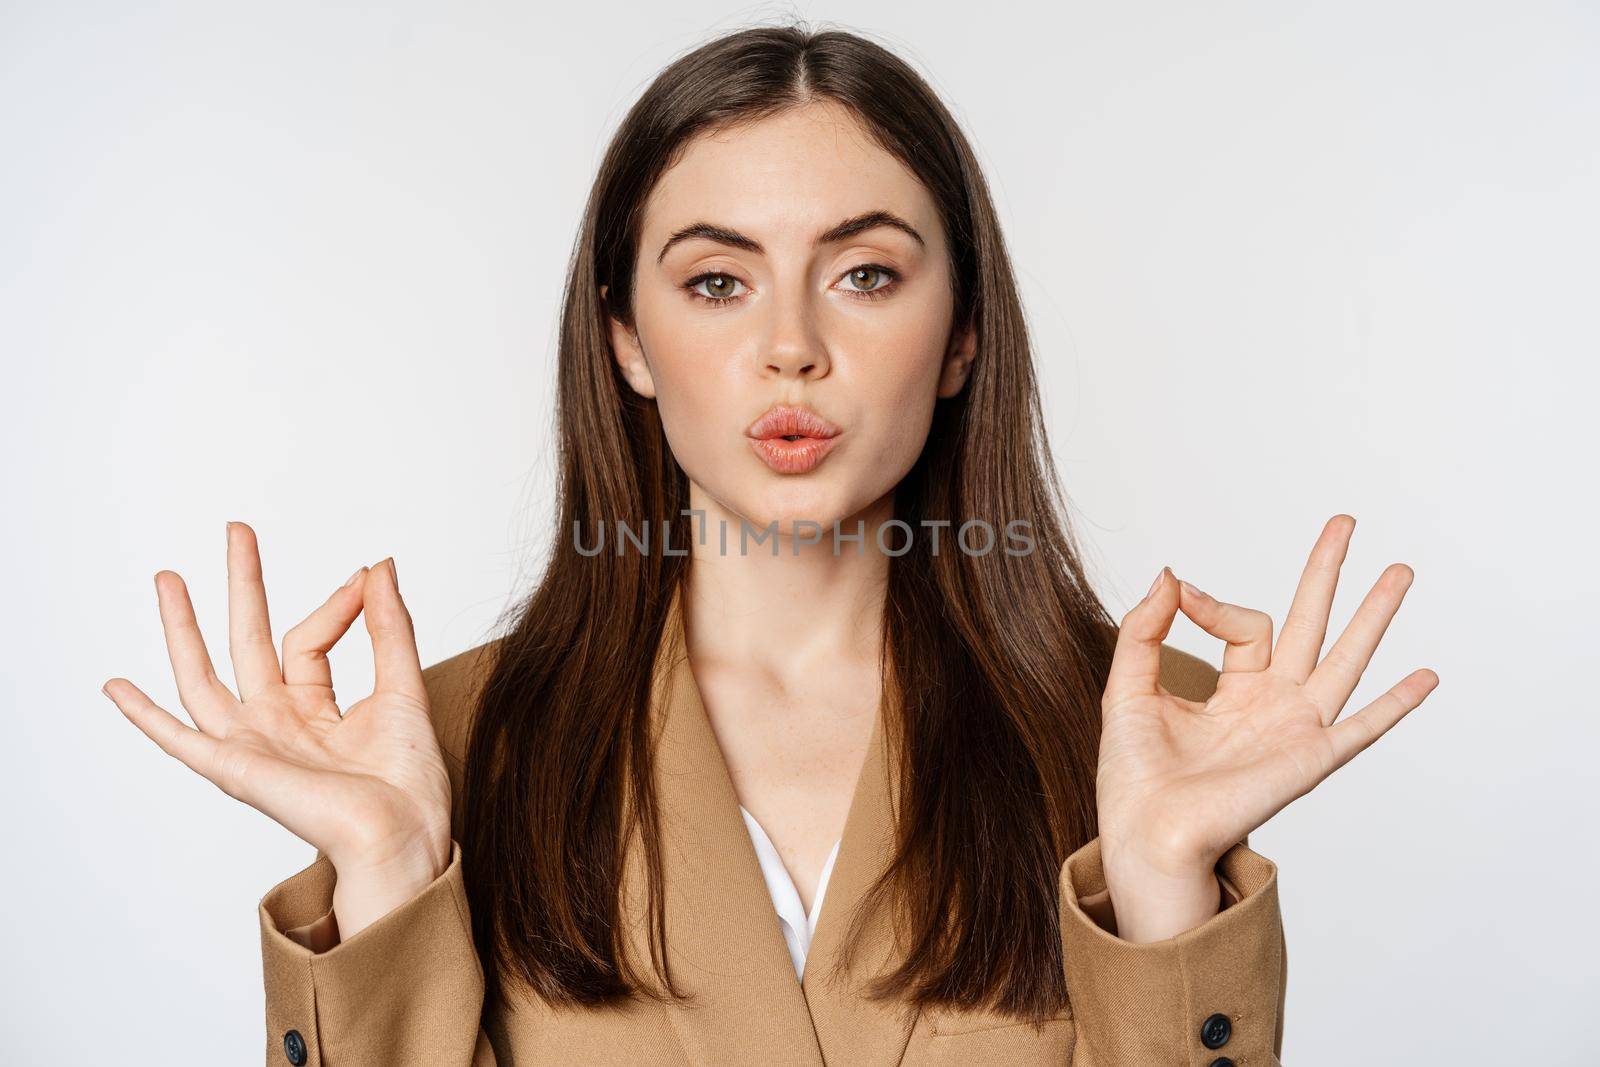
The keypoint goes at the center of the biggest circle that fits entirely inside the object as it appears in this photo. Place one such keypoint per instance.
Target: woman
(790, 313)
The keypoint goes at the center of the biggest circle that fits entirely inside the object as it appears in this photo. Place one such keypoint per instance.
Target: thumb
(1136, 663)
(396, 664)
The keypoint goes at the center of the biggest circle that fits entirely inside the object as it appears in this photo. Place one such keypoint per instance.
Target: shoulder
(453, 686)
(1187, 676)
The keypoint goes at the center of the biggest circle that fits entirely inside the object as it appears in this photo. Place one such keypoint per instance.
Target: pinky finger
(189, 746)
(1354, 734)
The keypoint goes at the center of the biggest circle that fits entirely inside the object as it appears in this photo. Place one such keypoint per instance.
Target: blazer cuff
(410, 981)
(1212, 991)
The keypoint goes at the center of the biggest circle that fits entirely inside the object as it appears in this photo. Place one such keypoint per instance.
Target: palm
(1187, 780)
(368, 783)
(1210, 773)
(332, 778)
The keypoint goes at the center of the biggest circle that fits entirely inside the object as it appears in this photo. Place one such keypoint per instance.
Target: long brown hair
(999, 660)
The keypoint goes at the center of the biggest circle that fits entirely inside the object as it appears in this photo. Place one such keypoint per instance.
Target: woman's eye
(870, 280)
(865, 277)
(715, 288)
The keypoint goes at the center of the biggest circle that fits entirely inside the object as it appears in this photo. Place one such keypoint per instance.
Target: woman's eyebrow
(848, 228)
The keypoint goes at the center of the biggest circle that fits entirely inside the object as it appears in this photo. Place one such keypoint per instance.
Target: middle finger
(1306, 626)
(255, 658)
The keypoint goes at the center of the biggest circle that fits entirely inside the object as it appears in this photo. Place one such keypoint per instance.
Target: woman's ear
(958, 361)
(628, 353)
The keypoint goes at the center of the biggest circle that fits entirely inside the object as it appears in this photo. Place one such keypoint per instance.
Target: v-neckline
(723, 947)
(799, 922)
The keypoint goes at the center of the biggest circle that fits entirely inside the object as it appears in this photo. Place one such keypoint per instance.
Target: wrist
(368, 886)
(386, 851)
(364, 894)
(1156, 898)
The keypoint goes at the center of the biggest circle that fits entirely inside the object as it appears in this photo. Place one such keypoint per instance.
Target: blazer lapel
(851, 1028)
(724, 944)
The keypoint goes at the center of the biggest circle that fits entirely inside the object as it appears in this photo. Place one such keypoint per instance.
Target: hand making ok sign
(367, 786)
(1180, 782)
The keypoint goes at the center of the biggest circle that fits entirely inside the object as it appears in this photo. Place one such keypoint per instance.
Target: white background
(300, 264)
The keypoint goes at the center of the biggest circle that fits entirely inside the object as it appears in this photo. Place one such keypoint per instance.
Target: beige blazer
(408, 989)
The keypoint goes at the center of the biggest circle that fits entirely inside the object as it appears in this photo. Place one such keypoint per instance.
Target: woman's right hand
(368, 787)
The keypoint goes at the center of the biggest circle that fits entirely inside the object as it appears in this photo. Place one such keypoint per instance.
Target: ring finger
(200, 691)
(1335, 678)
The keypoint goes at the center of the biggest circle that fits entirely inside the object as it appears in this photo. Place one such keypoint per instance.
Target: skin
(1179, 782)
(793, 716)
(368, 787)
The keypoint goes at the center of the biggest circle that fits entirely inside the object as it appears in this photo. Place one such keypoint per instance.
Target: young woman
(813, 744)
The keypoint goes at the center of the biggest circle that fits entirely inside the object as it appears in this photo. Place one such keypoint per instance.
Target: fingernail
(1192, 590)
(393, 574)
(352, 579)
(106, 689)
(1156, 584)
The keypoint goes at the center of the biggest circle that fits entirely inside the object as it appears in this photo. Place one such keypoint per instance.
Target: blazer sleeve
(408, 989)
(1211, 994)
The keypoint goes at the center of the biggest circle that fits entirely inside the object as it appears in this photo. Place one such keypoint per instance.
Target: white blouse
(797, 925)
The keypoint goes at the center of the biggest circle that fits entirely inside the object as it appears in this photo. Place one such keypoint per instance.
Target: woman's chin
(806, 515)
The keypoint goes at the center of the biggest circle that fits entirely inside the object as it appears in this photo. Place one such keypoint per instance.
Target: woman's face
(760, 305)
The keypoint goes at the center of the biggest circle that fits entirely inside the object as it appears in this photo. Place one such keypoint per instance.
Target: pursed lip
(791, 420)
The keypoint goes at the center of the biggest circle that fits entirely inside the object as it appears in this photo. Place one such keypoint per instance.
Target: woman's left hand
(1181, 782)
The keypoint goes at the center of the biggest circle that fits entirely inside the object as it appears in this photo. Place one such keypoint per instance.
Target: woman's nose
(793, 346)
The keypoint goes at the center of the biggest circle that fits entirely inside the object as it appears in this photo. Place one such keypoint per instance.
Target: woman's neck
(789, 611)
